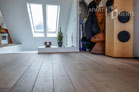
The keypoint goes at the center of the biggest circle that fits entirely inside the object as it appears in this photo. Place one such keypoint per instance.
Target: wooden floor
(71, 72)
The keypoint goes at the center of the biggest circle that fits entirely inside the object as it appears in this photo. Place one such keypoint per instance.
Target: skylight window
(52, 20)
(36, 19)
(37, 22)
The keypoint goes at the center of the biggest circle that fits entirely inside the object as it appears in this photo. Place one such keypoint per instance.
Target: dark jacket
(109, 4)
(91, 25)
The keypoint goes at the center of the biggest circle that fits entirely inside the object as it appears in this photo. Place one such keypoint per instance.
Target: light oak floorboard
(26, 82)
(62, 82)
(44, 82)
(11, 72)
(68, 72)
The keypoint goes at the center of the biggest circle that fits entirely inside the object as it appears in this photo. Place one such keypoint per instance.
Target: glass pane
(52, 12)
(37, 17)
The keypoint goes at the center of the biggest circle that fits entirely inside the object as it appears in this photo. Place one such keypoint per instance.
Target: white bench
(11, 48)
(56, 49)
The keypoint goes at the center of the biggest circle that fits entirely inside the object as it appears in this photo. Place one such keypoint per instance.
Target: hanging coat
(109, 4)
(91, 25)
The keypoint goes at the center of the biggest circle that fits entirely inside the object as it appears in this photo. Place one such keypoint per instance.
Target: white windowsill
(51, 35)
(38, 35)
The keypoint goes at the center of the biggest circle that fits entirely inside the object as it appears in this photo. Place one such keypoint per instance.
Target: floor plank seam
(69, 78)
(108, 59)
(37, 76)
(53, 75)
(8, 63)
(22, 74)
(68, 73)
(86, 77)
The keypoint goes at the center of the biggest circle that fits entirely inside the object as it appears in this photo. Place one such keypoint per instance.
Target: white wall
(1, 19)
(2, 22)
(72, 26)
(83, 11)
(17, 20)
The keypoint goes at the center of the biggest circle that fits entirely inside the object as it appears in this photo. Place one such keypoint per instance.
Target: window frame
(44, 20)
(49, 33)
(34, 32)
